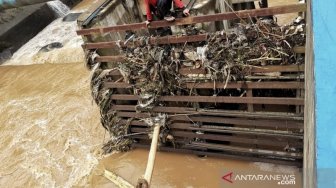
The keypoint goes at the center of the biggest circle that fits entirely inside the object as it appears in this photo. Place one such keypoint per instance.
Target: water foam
(59, 8)
(57, 31)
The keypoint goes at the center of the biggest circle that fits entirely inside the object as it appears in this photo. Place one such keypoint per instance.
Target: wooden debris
(117, 180)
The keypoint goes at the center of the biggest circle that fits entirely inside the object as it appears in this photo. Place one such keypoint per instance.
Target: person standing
(161, 9)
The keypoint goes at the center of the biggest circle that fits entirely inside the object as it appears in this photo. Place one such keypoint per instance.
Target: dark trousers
(162, 8)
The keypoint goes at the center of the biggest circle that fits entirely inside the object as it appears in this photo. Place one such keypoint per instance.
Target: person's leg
(164, 7)
(152, 9)
(263, 4)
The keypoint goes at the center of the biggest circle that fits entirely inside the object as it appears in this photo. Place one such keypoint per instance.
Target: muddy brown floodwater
(49, 127)
(50, 136)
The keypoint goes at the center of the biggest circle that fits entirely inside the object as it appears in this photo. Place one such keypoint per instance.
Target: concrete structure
(7, 4)
(324, 16)
(19, 25)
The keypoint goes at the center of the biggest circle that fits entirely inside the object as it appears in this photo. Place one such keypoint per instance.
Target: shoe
(169, 18)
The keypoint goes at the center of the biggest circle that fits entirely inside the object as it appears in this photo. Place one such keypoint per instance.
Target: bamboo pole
(145, 182)
(117, 180)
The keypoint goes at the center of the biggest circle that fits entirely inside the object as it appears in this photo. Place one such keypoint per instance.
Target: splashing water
(59, 8)
(49, 129)
(57, 31)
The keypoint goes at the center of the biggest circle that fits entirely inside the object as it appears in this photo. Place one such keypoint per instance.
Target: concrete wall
(8, 4)
(25, 24)
(324, 16)
(19, 25)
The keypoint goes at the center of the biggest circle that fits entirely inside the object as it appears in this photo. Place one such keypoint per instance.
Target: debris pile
(226, 56)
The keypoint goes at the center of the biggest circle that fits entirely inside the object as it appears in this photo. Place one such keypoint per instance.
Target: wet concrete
(18, 26)
(58, 31)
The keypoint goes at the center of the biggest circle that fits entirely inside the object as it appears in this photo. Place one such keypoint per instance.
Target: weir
(19, 25)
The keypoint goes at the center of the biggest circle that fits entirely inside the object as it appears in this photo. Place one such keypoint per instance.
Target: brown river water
(51, 137)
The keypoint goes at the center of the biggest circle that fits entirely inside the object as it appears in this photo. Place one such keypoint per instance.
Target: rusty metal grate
(267, 128)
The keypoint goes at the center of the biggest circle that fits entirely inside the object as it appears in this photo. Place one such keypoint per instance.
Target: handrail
(199, 19)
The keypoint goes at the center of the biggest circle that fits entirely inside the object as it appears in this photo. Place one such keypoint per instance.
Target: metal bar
(186, 71)
(285, 77)
(119, 58)
(242, 1)
(239, 130)
(152, 41)
(133, 115)
(281, 161)
(200, 19)
(114, 72)
(134, 123)
(263, 131)
(284, 124)
(95, 13)
(220, 113)
(263, 153)
(230, 85)
(299, 49)
(244, 150)
(264, 69)
(228, 138)
(240, 121)
(248, 85)
(249, 93)
(219, 99)
(103, 45)
(159, 41)
(282, 133)
(260, 115)
(234, 139)
(120, 85)
(278, 68)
